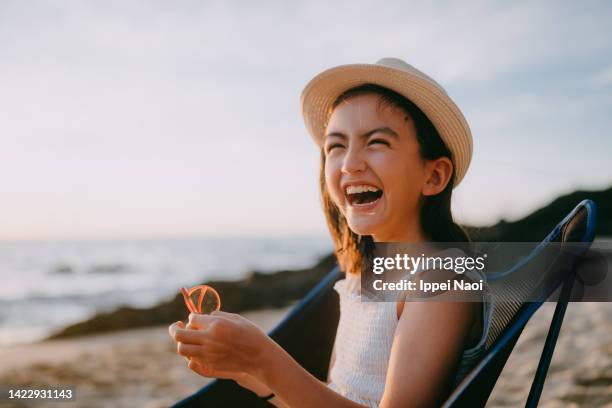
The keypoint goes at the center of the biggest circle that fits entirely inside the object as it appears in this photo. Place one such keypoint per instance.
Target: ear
(439, 172)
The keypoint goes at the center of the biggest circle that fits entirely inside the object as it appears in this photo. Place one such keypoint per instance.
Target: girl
(393, 146)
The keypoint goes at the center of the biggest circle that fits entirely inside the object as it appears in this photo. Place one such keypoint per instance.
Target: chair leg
(549, 346)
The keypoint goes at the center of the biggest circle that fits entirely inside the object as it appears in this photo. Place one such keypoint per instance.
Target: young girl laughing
(393, 146)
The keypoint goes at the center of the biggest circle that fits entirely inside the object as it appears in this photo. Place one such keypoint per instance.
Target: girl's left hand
(222, 345)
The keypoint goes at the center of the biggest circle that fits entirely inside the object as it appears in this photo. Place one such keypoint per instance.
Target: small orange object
(212, 301)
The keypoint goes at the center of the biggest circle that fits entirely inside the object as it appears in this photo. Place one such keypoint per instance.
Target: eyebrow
(384, 129)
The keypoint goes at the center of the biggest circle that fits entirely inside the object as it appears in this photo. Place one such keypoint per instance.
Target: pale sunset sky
(152, 119)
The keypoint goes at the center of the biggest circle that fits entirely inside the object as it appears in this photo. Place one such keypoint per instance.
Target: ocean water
(46, 285)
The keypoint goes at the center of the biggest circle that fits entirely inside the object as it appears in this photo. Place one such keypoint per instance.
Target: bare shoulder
(449, 297)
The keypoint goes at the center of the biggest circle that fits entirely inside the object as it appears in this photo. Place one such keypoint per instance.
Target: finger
(189, 350)
(190, 336)
(192, 326)
(200, 369)
(195, 326)
(174, 327)
(200, 321)
(219, 313)
(205, 371)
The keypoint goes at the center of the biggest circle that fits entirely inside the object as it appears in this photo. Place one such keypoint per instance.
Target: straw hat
(321, 92)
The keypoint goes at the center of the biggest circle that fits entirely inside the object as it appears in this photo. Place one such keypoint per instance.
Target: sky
(149, 119)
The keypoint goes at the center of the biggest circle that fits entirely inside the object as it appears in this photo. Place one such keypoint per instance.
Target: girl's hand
(222, 345)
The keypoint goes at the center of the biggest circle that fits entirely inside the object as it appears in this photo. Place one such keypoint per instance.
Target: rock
(109, 268)
(257, 291)
(63, 269)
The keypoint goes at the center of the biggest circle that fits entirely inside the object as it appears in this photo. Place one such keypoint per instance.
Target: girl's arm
(426, 349)
(445, 326)
(295, 386)
(246, 381)
(226, 345)
(427, 346)
(249, 382)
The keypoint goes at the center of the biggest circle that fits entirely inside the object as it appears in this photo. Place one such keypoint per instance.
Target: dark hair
(436, 218)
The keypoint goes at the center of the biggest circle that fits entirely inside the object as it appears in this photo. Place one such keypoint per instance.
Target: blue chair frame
(476, 387)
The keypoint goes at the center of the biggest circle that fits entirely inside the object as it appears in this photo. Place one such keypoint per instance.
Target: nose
(353, 161)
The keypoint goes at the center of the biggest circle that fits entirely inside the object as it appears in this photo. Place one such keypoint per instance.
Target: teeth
(360, 189)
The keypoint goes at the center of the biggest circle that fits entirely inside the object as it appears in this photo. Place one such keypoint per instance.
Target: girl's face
(373, 169)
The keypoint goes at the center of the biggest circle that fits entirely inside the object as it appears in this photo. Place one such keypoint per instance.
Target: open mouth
(362, 194)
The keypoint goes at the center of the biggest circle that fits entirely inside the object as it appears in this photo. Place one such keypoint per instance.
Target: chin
(363, 227)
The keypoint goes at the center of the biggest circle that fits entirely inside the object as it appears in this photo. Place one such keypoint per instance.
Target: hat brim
(321, 92)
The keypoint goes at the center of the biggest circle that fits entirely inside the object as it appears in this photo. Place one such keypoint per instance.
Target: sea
(46, 285)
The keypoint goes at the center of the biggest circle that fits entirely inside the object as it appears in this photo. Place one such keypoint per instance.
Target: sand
(139, 368)
(580, 374)
(132, 368)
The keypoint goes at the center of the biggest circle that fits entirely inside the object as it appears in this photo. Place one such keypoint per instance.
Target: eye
(333, 146)
(379, 141)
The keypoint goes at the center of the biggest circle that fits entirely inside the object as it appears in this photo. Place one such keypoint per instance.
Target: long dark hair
(435, 217)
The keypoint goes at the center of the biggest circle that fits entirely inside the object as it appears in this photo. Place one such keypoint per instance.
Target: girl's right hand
(243, 379)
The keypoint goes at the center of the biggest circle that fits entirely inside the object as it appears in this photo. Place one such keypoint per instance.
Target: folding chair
(512, 314)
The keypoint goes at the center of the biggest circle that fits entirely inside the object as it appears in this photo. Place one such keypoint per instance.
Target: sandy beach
(131, 368)
(139, 368)
(580, 374)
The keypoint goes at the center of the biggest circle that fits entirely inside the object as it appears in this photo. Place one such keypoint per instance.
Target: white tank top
(363, 345)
